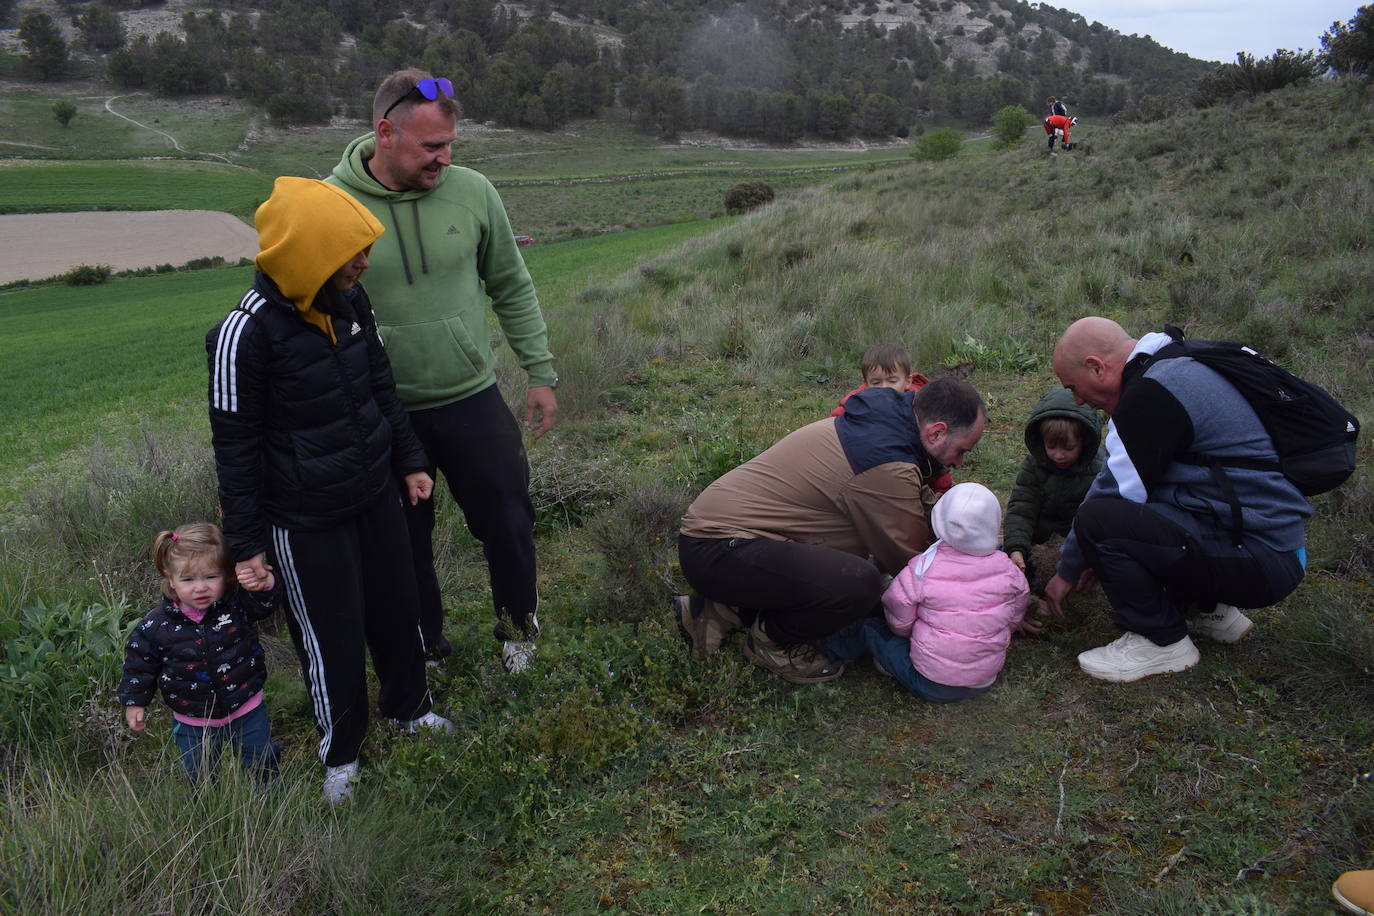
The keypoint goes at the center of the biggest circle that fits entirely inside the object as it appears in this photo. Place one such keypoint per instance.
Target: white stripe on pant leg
(319, 692)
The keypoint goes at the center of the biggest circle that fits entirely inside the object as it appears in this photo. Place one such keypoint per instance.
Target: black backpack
(1313, 434)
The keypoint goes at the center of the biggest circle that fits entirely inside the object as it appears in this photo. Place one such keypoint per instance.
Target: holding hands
(254, 574)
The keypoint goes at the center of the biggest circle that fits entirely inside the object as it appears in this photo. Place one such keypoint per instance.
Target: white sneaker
(517, 656)
(338, 782)
(1224, 624)
(430, 720)
(1133, 656)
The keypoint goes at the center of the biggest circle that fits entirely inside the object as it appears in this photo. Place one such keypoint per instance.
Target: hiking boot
(1224, 624)
(338, 782)
(517, 656)
(430, 721)
(800, 664)
(1354, 891)
(1133, 657)
(705, 625)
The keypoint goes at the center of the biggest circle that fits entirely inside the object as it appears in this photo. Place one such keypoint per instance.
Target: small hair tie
(174, 535)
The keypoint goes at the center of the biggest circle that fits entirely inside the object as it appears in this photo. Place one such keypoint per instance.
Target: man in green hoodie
(448, 250)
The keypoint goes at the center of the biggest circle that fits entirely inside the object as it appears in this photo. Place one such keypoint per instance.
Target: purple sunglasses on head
(429, 88)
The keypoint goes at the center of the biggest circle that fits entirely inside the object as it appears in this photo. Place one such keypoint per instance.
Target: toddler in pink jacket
(949, 615)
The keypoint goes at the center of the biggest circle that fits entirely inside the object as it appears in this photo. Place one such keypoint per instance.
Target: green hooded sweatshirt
(1044, 498)
(444, 253)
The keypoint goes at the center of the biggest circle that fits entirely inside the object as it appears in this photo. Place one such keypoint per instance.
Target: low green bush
(52, 657)
(87, 275)
(745, 196)
(1009, 124)
(941, 143)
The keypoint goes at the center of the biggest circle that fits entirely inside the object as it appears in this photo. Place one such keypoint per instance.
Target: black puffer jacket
(306, 431)
(205, 670)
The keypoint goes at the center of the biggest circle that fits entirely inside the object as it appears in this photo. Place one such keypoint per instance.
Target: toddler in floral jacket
(200, 647)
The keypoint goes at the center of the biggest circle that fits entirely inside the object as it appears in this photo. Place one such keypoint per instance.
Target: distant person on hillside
(447, 252)
(199, 646)
(949, 615)
(310, 441)
(889, 366)
(1057, 107)
(1156, 527)
(782, 543)
(1057, 126)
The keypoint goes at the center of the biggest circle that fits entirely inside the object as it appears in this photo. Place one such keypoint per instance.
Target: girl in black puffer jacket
(200, 648)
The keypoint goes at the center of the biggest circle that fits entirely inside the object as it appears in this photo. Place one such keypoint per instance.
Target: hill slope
(620, 776)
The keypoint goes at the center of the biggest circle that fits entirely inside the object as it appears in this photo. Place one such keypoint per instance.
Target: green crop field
(99, 363)
(47, 186)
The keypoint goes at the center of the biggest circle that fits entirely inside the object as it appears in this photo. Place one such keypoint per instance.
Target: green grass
(45, 187)
(619, 776)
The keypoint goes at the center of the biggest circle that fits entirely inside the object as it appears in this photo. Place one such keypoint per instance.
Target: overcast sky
(1217, 29)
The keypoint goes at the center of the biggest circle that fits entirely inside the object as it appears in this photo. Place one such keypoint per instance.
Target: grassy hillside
(619, 776)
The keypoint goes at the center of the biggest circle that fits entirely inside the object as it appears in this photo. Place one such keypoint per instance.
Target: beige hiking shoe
(802, 664)
(705, 625)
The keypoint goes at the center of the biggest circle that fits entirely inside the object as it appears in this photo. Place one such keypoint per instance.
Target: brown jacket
(804, 489)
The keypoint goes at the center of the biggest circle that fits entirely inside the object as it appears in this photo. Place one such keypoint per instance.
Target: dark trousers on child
(1154, 571)
(476, 444)
(250, 735)
(351, 588)
(801, 592)
(892, 653)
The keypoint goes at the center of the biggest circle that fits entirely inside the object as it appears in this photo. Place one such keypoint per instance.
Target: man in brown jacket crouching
(794, 544)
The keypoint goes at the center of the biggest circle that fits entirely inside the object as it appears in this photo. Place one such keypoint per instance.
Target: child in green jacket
(1062, 439)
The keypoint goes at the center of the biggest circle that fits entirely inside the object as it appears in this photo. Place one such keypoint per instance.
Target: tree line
(778, 71)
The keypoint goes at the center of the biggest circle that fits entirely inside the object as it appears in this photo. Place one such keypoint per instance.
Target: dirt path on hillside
(42, 245)
(176, 144)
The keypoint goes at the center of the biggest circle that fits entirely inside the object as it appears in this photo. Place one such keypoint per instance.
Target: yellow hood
(307, 230)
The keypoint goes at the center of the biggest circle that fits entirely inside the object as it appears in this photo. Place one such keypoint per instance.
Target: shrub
(1009, 124)
(637, 540)
(747, 195)
(942, 143)
(52, 657)
(87, 275)
(1252, 77)
(63, 111)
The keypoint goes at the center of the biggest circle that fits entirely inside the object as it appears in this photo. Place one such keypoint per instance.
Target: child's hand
(254, 574)
(136, 717)
(419, 485)
(1019, 559)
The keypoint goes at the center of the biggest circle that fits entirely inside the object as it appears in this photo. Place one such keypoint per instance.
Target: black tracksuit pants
(1155, 571)
(351, 588)
(476, 444)
(801, 592)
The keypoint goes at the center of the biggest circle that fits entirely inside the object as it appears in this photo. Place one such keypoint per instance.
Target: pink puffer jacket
(959, 613)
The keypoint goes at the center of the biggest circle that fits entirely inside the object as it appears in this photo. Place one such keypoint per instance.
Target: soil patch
(42, 245)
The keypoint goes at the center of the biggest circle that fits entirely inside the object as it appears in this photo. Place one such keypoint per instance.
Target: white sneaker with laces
(431, 721)
(517, 656)
(1224, 624)
(338, 782)
(1133, 657)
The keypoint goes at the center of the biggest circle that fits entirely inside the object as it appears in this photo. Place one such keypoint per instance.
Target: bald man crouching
(1156, 528)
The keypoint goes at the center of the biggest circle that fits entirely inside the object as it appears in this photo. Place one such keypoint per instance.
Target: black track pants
(350, 588)
(476, 444)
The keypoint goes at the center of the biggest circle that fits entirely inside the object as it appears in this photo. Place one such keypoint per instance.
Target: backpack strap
(1213, 463)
